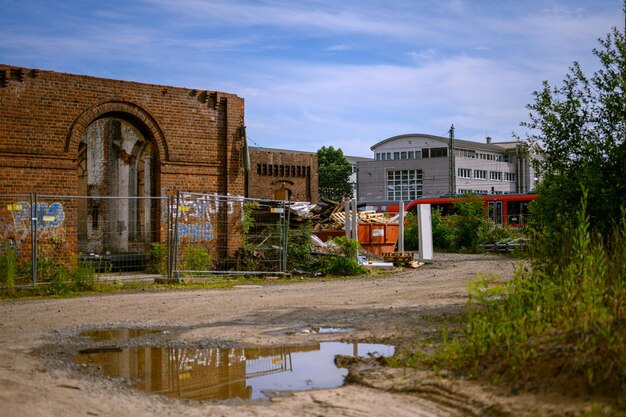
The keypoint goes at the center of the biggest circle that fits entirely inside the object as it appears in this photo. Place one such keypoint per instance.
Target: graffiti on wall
(18, 227)
(195, 213)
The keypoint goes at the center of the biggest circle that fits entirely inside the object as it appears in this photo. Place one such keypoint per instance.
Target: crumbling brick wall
(196, 134)
(274, 169)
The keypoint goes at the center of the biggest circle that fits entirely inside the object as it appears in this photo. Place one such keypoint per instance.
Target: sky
(346, 74)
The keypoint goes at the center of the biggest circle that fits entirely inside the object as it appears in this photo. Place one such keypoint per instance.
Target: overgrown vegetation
(195, 258)
(299, 255)
(579, 129)
(158, 259)
(464, 230)
(8, 271)
(345, 261)
(560, 323)
(563, 320)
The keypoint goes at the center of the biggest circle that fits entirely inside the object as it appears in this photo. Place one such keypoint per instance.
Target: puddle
(224, 373)
(321, 330)
(100, 335)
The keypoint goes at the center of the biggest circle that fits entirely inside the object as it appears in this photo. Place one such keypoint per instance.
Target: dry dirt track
(395, 306)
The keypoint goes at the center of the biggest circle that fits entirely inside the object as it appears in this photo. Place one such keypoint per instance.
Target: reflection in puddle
(323, 330)
(100, 335)
(219, 374)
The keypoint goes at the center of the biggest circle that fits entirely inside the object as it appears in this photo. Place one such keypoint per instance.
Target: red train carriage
(504, 209)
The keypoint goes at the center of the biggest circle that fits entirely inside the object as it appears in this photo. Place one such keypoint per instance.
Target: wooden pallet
(398, 257)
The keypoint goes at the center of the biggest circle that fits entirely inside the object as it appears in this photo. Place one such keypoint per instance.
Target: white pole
(401, 226)
(425, 232)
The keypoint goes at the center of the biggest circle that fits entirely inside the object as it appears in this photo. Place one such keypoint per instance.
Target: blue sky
(318, 73)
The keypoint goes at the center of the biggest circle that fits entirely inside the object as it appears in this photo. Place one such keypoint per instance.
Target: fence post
(401, 226)
(355, 221)
(286, 235)
(33, 230)
(168, 200)
(176, 213)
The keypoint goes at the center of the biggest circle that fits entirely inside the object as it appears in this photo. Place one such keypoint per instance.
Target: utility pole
(451, 163)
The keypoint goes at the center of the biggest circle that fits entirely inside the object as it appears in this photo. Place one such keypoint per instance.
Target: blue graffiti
(48, 216)
(197, 232)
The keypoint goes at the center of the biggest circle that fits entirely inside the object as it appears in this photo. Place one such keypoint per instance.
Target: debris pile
(330, 215)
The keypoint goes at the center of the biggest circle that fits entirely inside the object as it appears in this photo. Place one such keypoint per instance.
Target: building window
(388, 156)
(377, 156)
(495, 175)
(411, 155)
(464, 173)
(404, 185)
(438, 152)
(402, 155)
(480, 174)
(465, 153)
(425, 153)
(396, 155)
(509, 176)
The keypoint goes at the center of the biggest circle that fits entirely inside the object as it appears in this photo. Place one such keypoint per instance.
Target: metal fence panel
(189, 234)
(228, 235)
(16, 235)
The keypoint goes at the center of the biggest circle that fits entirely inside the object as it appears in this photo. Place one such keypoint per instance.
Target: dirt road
(35, 335)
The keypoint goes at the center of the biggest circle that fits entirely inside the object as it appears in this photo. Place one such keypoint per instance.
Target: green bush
(158, 259)
(196, 258)
(299, 248)
(443, 233)
(345, 262)
(411, 231)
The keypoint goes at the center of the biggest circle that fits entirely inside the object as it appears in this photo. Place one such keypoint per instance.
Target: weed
(84, 277)
(59, 282)
(8, 271)
(158, 259)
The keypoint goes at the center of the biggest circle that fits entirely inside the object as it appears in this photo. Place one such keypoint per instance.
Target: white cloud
(415, 65)
(337, 48)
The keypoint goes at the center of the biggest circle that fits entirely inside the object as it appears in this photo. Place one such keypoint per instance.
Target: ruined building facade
(281, 174)
(73, 135)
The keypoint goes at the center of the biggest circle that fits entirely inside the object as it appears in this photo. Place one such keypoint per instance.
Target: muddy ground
(37, 335)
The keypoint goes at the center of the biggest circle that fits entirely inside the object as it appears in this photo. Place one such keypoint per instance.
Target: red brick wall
(44, 113)
(272, 168)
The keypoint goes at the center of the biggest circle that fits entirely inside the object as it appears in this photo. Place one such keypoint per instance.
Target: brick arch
(130, 112)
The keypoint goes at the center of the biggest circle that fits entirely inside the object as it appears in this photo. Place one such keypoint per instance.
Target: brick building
(73, 135)
(282, 175)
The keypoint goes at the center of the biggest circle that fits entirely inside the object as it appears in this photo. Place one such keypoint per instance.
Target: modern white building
(353, 177)
(409, 166)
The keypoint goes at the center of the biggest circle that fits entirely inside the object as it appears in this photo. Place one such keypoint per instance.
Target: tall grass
(8, 271)
(563, 320)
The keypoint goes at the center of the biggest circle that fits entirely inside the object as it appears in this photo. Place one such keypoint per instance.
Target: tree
(580, 131)
(334, 172)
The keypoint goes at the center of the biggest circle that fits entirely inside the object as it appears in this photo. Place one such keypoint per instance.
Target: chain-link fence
(43, 237)
(225, 234)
